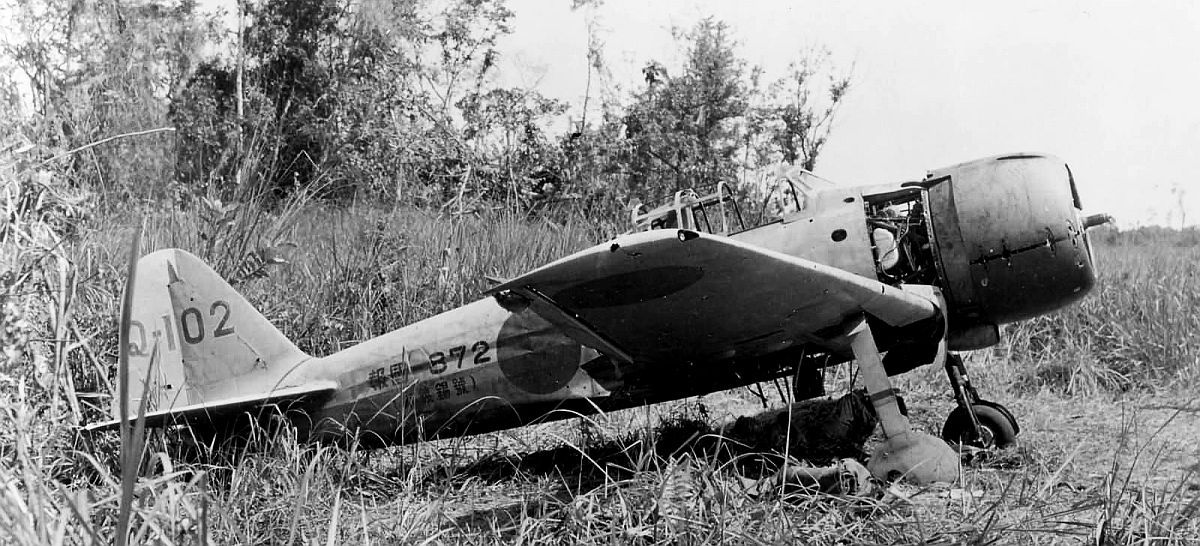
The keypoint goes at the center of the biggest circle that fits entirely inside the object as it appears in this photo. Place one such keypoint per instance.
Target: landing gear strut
(912, 454)
(975, 422)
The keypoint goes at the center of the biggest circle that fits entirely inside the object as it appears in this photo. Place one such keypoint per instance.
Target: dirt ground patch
(1085, 468)
(1155, 438)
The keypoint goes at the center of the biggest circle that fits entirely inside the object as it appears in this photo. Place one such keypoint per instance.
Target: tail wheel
(997, 428)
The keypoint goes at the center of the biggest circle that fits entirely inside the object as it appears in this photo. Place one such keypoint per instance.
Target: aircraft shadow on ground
(817, 432)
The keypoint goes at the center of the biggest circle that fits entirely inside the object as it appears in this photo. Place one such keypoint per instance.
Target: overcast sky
(1110, 87)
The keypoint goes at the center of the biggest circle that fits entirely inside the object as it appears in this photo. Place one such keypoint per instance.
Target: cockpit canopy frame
(716, 213)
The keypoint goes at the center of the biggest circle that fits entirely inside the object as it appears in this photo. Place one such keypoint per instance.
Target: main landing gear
(975, 422)
(905, 453)
(915, 455)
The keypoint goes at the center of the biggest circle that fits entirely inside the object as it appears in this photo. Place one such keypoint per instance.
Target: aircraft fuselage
(482, 367)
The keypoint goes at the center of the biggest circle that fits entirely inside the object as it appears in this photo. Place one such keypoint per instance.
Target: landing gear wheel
(997, 428)
(975, 422)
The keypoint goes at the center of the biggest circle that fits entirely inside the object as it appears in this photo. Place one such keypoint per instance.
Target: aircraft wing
(211, 411)
(679, 295)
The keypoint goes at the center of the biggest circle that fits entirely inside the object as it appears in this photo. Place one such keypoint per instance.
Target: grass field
(1105, 391)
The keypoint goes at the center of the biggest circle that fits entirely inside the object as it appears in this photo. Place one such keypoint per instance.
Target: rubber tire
(958, 426)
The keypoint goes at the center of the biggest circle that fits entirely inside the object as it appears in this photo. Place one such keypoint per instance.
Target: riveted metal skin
(647, 317)
(1011, 240)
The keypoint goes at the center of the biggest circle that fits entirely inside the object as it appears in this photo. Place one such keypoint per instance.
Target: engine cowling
(1011, 242)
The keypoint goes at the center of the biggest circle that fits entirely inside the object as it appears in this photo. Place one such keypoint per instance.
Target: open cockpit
(803, 214)
(716, 213)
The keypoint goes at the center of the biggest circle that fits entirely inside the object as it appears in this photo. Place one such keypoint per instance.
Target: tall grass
(330, 275)
(1139, 329)
(333, 276)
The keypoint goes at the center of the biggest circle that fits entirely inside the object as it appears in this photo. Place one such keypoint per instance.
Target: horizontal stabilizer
(211, 411)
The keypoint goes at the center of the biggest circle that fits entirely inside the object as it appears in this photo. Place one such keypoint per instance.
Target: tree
(289, 41)
(710, 120)
(683, 130)
(101, 69)
(803, 119)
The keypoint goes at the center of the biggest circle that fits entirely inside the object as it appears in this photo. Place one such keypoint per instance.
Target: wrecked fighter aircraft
(693, 301)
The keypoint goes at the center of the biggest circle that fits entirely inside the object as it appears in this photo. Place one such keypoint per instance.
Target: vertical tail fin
(213, 346)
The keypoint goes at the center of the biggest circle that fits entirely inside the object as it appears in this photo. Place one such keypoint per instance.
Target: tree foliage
(398, 100)
(683, 130)
(99, 69)
(802, 125)
(711, 120)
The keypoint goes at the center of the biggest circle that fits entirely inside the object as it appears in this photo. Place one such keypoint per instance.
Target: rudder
(212, 344)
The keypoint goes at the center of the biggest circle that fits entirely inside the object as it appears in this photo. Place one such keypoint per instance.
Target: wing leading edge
(680, 295)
